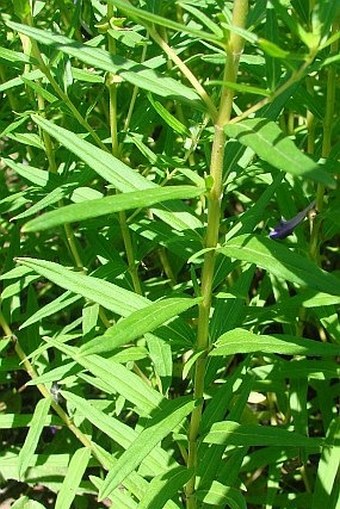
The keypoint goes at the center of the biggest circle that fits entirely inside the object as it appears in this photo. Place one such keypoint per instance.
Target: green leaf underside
(269, 142)
(243, 341)
(121, 176)
(105, 164)
(137, 324)
(233, 433)
(277, 259)
(164, 487)
(172, 414)
(122, 434)
(117, 378)
(133, 72)
(37, 425)
(75, 472)
(108, 205)
(108, 295)
(219, 494)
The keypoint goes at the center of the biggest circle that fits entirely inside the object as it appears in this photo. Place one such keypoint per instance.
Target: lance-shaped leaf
(110, 296)
(233, 433)
(116, 378)
(71, 482)
(280, 261)
(133, 72)
(110, 168)
(163, 423)
(165, 486)
(36, 427)
(137, 324)
(243, 341)
(121, 176)
(108, 205)
(271, 145)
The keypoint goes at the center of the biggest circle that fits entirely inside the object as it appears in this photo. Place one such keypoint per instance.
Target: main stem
(234, 46)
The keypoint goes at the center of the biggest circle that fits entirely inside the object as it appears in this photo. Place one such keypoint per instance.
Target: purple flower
(285, 228)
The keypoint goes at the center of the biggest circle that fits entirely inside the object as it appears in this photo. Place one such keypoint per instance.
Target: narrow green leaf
(268, 141)
(75, 472)
(203, 18)
(161, 357)
(14, 56)
(137, 324)
(122, 498)
(50, 199)
(63, 301)
(233, 433)
(240, 87)
(328, 469)
(25, 139)
(108, 205)
(18, 82)
(163, 423)
(172, 121)
(119, 432)
(123, 381)
(35, 175)
(106, 165)
(165, 486)
(119, 174)
(116, 377)
(277, 259)
(108, 295)
(37, 425)
(12, 421)
(59, 373)
(244, 341)
(133, 72)
(221, 495)
(150, 17)
(27, 503)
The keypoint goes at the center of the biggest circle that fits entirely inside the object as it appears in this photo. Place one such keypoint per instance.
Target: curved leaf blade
(243, 341)
(75, 472)
(268, 141)
(233, 433)
(279, 260)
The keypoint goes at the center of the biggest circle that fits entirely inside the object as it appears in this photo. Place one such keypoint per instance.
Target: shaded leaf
(233, 433)
(279, 260)
(268, 141)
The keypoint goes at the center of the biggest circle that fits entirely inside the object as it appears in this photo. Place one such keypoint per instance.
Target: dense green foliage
(159, 348)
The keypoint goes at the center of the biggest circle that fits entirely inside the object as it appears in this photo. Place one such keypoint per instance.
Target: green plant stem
(112, 85)
(64, 97)
(294, 78)
(69, 233)
(44, 390)
(234, 48)
(185, 71)
(326, 147)
(134, 95)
